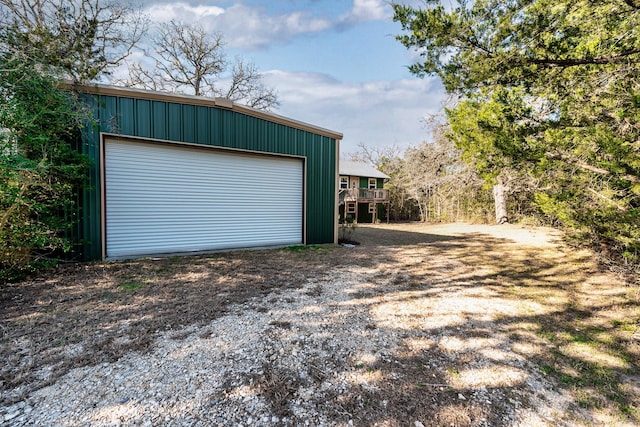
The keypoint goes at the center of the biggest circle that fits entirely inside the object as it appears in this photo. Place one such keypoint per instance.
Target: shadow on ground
(485, 325)
(486, 312)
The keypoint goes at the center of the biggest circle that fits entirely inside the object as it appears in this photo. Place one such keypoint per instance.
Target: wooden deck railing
(363, 195)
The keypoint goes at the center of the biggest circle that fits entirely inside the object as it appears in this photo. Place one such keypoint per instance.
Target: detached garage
(179, 174)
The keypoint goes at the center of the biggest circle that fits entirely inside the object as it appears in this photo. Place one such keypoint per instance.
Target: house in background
(361, 195)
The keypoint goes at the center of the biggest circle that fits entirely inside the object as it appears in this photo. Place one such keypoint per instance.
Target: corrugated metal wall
(163, 198)
(214, 126)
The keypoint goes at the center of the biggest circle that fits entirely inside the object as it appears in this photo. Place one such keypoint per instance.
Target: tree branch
(632, 4)
(588, 167)
(585, 61)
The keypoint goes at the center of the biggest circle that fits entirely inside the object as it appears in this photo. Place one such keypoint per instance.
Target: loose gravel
(400, 336)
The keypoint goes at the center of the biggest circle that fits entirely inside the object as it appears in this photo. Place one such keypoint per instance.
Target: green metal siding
(174, 122)
(188, 123)
(214, 126)
(159, 123)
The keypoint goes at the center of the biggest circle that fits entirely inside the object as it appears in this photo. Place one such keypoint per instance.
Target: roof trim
(361, 169)
(225, 103)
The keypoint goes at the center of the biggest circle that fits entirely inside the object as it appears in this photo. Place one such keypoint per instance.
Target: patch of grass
(629, 410)
(547, 335)
(592, 383)
(625, 325)
(549, 370)
(453, 372)
(301, 248)
(571, 379)
(130, 285)
(586, 399)
(107, 296)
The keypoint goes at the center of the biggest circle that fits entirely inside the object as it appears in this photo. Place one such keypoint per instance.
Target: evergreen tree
(550, 88)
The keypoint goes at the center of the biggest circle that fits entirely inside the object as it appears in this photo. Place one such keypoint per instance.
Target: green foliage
(549, 101)
(489, 43)
(41, 42)
(39, 169)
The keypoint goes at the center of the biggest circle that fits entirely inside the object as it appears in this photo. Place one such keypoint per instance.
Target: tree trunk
(500, 203)
(427, 206)
(421, 211)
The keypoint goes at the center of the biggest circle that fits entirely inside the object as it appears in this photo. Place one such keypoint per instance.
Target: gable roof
(350, 168)
(224, 103)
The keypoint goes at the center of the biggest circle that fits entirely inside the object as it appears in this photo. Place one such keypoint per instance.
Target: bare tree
(77, 39)
(430, 182)
(376, 155)
(389, 159)
(246, 86)
(444, 187)
(188, 59)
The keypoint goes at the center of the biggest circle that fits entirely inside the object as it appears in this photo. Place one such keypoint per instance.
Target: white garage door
(163, 198)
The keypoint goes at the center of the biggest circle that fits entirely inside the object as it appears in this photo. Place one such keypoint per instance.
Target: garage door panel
(163, 198)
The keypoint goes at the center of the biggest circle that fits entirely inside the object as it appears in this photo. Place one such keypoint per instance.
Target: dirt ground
(490, 319)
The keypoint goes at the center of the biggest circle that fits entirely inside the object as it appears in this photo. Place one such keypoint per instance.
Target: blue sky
(333, 63)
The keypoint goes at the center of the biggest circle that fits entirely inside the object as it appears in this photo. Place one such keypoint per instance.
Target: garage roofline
(225, 103)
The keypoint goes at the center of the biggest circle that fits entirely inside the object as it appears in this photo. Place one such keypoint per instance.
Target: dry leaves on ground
(450, 324)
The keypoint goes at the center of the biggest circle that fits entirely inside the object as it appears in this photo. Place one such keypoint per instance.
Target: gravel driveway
(420, 325)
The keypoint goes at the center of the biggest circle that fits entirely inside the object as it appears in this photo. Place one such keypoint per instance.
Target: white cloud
(248, 27)
(251, 28)
(367, 10)
(182, 12)
(243, 27)
(378, 113)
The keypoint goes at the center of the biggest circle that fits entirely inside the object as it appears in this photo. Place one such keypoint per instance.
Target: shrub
(40, 171)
